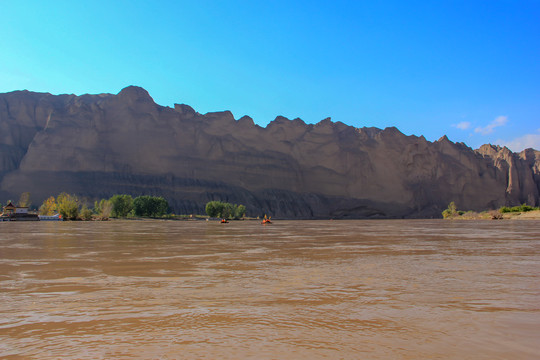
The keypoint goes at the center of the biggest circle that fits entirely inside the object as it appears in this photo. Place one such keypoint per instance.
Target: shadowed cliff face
(99, 145)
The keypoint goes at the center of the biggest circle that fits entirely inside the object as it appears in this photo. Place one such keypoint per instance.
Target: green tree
(48, 207)
(151, 206)
(214, 208)
(121, 205)
(68, 206)
(227, 210)
(240, 211)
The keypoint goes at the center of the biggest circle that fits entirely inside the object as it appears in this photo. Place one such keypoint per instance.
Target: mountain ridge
(98, 145)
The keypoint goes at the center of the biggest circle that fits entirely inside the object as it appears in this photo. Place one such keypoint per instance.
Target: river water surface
(388, 289)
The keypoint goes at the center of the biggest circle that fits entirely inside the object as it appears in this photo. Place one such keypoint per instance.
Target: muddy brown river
(388, 289)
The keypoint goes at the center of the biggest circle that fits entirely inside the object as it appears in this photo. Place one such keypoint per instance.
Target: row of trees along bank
(452, 212)
(70, 207)
(118, 206)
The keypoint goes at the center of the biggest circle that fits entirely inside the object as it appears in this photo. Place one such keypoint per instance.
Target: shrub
(520, 208)
(451, 211)
(525, 208)
(103, 208)
(86, 213)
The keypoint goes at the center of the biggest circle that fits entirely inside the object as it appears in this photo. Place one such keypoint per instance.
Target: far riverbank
(497, 215)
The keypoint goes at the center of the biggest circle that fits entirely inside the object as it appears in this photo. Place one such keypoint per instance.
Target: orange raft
(266, 220)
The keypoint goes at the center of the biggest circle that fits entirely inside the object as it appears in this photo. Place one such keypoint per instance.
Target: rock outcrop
(99, 145)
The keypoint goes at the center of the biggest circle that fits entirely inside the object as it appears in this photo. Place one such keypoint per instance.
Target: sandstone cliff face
(99, 145)
(521, 171)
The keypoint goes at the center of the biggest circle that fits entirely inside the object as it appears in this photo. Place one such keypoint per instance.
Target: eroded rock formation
(99, 145)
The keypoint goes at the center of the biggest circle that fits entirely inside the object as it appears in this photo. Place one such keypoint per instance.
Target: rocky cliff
(99, 145)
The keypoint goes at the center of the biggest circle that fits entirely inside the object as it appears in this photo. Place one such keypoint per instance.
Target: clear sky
(467, 69)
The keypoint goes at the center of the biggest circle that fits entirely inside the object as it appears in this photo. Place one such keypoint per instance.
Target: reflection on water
(298, 290)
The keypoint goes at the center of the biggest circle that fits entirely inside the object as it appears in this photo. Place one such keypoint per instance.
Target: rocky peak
(185, 110)
(281, 122)
(326, 121)
(389, 133)
(134, 94)
(530, 155)
(495, 152)
(444, 138)
(246, 121)
(226, 116)
(370, 132)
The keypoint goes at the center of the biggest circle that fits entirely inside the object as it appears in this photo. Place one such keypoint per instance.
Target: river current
(387, 289)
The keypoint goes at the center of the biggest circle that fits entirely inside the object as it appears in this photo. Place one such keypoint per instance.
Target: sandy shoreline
(529, 215)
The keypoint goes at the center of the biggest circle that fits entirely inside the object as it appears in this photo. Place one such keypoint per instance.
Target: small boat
(224, 221)
(266, 220)
(56, 217)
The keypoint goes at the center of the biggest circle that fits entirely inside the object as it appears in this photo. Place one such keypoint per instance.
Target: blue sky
(467, 69)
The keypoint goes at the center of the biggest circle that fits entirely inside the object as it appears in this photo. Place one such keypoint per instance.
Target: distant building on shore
(15, 213)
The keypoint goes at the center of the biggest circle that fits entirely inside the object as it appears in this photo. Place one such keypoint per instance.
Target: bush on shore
(451, 211)
(225, 210)
(520, 208)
